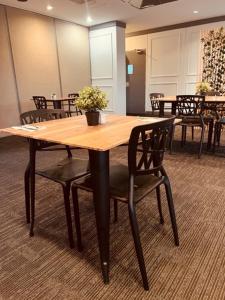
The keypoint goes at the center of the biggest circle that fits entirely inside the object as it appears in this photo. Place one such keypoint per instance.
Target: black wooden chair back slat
(153, 99)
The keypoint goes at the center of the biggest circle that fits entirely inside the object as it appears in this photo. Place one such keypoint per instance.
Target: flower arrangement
(203, 87)
(91, 99)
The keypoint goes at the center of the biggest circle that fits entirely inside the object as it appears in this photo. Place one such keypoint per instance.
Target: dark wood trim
(178, 26)
(108, 24)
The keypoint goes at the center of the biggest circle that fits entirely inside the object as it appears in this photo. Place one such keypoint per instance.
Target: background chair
(71, 105)
(144, 173)
(190, 109)
(219, 110)
(154, 102)
(40, 102)
(64, 172)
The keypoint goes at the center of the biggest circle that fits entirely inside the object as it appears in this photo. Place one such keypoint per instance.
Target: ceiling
(109, 10)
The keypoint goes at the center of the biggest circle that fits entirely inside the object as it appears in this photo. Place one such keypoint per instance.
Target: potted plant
(91, 99)
(202, 88)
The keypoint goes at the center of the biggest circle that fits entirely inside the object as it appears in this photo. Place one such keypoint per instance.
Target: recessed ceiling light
(49, 7)
(89, 19)
(195, 12)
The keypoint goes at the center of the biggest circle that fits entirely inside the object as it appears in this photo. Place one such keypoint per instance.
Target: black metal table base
(99, 164)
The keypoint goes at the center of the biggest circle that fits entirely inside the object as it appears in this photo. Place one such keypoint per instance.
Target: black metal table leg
(174, 108)
(99, 161)
(27, 192)
(32, 143)
(161, 108)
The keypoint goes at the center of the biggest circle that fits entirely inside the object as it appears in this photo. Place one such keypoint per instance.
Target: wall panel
(73, 53)
(9, 111)
(173, 59)
(108, 71)
(34, 53)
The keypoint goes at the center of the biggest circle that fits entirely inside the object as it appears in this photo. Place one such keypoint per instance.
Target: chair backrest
(153, 99)
(40, 102)
(41, 115)
(190, 105)
(147, 146)
(72, 104)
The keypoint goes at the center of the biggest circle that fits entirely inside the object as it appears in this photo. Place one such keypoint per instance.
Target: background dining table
(57, 103)
(173, 101)
(98, 140)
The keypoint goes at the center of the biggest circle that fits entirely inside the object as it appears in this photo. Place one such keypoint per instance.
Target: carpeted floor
(44, 267)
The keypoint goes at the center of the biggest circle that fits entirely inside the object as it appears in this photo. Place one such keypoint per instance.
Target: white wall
(173, 59)
(73, 55)
(108, 69)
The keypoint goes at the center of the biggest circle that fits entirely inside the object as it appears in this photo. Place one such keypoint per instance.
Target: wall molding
(108, 24)
(178, 26)
(12, 59)
(58, 62)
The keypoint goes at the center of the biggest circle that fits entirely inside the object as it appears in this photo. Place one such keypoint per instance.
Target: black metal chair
(154, 102)
(190, 109)
(64, 172)
(40, 102)
(71, 105)
(144, 173)
(219, 122)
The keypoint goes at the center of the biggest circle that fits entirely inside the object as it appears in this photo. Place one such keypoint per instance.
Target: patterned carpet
(44, 267)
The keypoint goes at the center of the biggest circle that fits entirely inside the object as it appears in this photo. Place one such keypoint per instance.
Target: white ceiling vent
(146, 3)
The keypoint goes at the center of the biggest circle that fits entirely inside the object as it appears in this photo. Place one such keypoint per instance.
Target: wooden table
(57, 103)
(98, 140)
(173, 101)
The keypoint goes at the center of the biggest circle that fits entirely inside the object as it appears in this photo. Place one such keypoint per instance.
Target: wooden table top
(75, 132)
(207, 99)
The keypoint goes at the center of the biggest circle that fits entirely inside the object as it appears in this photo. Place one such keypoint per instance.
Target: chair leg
(159, 205)
(185, 134)
(171, 138)
(219, 134)
(137, 243)
(66, 193)
(201, 142)
(215, 139)
(171, 210)
(136, 236)
(69, 153)
(182, 136)
(192, 133)
(115, 206)
(27, 192)
(77, 218)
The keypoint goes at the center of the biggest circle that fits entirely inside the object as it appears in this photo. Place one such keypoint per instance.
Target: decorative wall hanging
(213, 69)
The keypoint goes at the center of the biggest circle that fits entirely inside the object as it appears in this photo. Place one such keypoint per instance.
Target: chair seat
(66, 170)
(119, 180)
(191, 121)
